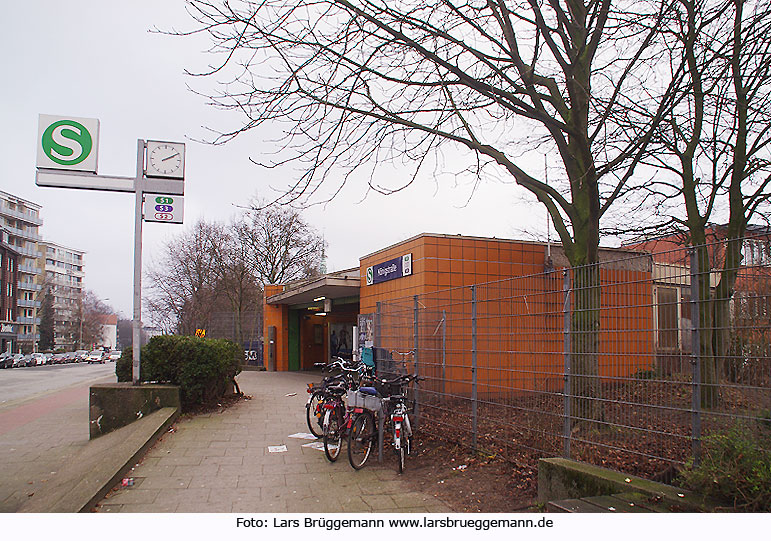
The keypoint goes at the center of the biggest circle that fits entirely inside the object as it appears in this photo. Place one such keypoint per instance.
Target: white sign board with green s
(68, 143)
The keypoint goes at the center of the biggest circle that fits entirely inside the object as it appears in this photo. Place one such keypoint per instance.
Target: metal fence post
(376, 339)
(444, 354)
(695, 358)
(474, 367)
(416, 358)
(566, 345)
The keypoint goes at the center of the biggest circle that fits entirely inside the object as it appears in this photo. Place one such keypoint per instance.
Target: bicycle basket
(361, 400)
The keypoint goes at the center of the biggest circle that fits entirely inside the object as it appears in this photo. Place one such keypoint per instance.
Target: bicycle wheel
(313, 414)
(332, 434)
(401, 452)
(360, 440)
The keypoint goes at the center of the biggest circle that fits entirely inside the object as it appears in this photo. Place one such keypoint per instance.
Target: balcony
(29, 269)
(19, 215)
(27, 252)
(23, 303)
(28, 337)
(29, 286)
(23, 233)
(28, 320)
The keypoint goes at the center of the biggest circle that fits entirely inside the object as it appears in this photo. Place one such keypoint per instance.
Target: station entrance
(313, 319)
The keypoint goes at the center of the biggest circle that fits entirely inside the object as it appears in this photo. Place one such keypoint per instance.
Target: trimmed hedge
(204, 368)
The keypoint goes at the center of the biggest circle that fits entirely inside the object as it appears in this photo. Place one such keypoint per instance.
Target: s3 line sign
(390, 270)
(67, 143)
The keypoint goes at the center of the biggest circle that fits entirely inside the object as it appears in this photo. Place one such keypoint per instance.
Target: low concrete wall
(115, 405)
(560, 479)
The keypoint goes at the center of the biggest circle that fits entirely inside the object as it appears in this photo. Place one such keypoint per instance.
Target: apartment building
(9, 269)
(21, 220)
(63, 268)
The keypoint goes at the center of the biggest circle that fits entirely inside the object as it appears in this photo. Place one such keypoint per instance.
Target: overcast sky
(98, 59)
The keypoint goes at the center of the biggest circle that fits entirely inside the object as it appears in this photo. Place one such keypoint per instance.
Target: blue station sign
(397, 267)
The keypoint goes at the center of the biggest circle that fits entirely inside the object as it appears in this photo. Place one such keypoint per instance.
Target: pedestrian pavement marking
(277, 449)
(303, 436)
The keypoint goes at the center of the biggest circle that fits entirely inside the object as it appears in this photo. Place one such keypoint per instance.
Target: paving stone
(202, 470)
(233, 495)
(204, 507)
(183, 495)
(165, 482)
(214, 481)
(260, 480)
(132, 496)
(163, 507)
(276, 506)
(378, 502)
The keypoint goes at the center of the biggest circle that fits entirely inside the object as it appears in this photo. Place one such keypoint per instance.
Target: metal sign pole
(165, 168)
(137, 326)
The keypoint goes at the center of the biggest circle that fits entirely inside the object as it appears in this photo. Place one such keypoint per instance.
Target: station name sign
(397, 267)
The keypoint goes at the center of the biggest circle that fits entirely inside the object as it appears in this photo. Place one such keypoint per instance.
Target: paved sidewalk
(220, 463)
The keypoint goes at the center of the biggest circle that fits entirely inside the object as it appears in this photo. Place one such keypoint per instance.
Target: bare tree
(215, 269)
(278, 244)
(86, 327)
(181, 283)
(236, 279)
(713, 149)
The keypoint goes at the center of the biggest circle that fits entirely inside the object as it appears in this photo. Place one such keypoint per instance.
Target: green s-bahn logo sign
(67, 143)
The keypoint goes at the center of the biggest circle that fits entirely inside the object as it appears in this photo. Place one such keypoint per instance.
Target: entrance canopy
(330, 286)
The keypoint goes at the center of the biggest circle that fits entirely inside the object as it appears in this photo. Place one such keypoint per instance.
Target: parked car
(114, 355)
(6, 360)
(80, 355)
(96, 356)
(70, 357)
(28, 360)
(58, 358)
(18, 359)
(40, 359)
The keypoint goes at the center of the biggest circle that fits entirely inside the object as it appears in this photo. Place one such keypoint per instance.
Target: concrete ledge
(562, 479)
(99, 466)
(115, 405)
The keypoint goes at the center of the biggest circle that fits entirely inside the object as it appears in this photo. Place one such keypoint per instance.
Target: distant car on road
(96, 356)
(114, 355)
(6, 360)
(18, 360)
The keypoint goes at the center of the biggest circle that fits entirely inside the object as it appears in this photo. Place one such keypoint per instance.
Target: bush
(735, 469)
(203, 368)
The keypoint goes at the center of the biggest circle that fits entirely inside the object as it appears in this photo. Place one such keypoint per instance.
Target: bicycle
(337, 421)
(349, 375)
(393, 405)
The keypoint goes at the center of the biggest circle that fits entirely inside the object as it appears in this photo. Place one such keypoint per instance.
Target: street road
(19, 384)
(43, 424)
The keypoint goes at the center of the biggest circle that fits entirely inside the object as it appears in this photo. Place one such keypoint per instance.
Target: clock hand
(170, 157)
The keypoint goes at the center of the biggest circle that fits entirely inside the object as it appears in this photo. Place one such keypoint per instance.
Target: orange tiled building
(520, 323)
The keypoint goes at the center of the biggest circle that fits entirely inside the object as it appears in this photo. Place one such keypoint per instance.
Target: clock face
(165, 159)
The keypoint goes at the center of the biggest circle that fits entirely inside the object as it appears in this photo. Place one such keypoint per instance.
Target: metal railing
(627, 364)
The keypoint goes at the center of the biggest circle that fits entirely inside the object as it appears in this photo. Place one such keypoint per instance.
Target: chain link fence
(627, 364)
